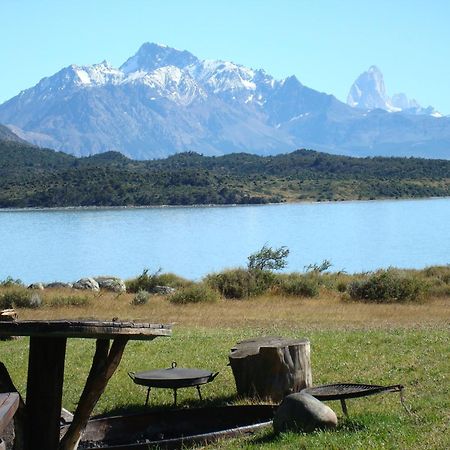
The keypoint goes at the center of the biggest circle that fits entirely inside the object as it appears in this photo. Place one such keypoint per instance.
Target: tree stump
(270, 368)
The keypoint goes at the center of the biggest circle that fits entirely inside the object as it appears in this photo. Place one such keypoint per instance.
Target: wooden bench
(9, 403)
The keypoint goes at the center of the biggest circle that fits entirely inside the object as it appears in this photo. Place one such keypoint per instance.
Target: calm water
(48, 245)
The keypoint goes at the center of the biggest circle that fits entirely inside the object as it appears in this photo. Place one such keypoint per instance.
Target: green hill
(35, 177)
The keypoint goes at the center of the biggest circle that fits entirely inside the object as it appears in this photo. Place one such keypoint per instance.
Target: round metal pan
(173, 377)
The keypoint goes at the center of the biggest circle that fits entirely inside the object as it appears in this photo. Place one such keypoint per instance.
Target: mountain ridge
(162, 101)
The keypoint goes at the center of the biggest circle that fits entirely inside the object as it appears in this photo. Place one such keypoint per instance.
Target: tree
(268, 259)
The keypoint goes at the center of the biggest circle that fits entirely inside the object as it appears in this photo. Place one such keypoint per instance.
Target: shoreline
(214, 205)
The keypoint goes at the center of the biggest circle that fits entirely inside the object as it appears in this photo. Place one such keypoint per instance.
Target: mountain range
(162, 101)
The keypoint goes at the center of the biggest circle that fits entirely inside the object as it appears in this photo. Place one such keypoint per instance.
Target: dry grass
(329, 310)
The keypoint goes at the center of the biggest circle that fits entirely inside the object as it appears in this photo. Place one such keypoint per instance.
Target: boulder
(113, 284)
(163, 290)
(301, 412)
(58, 285)
(39, 286)
(88, 284)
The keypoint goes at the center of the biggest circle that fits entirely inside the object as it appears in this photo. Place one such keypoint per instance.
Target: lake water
(67, 244)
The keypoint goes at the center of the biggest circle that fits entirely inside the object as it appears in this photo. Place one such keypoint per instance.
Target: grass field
(350, 342)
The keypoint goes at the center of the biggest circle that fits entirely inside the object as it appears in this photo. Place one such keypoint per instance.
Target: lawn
(350, 342)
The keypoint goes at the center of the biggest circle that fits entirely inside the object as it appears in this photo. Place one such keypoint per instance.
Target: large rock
(58, 285)
(163, 290)
(301, 412)
(113, 284)
(38, 286)
(88, 284)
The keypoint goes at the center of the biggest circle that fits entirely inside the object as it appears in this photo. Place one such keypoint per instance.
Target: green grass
(416, 357)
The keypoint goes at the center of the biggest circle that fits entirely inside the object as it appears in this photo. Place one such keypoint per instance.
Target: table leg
(199, 393)
(174, 397)
(44, 392)
(148, 396)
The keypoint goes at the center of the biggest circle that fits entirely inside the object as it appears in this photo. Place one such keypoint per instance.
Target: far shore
(217, 205)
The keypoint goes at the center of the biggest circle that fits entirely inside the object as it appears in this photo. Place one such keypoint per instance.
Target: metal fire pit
(173, 378)
(342, 391)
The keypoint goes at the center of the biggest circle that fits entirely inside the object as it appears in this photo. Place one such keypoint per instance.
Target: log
(104, 365)
(269, 368)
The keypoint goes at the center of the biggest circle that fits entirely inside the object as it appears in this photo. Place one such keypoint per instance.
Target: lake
(67, 244)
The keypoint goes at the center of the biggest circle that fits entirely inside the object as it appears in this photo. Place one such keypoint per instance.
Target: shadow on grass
(135, 408)
(271, 437)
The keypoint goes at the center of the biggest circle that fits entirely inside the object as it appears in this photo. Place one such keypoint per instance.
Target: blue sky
(325, 43)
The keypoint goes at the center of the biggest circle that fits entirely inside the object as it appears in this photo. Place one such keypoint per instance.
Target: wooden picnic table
(46, 372)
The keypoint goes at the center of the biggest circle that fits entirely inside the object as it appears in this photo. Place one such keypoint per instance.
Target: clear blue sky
(325, 43)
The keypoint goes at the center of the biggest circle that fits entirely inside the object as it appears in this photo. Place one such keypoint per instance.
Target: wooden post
(103, 367)
(44, 392)
(271, 367)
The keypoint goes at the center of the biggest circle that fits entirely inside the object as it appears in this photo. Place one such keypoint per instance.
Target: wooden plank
(84, 329)
(7, 386)
(44, 393)
(9, 403)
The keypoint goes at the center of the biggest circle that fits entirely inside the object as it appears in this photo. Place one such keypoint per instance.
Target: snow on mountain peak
(97, 74)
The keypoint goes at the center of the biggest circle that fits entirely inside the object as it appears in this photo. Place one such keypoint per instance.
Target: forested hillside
(34, 177)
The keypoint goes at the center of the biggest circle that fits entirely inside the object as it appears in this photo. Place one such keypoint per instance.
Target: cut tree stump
(269, 368)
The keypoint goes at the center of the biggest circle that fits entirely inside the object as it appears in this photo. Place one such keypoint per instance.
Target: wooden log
(8, 315)
(269, 368)
(104, 364)
(7, 385)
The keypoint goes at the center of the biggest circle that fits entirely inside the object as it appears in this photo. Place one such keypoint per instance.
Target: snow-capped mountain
(163, 100)
(369, 92)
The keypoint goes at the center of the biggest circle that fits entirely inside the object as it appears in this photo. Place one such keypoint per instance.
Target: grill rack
(342, 391)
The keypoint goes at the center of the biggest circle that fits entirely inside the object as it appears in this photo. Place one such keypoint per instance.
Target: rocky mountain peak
(369, 91)
(152, 56)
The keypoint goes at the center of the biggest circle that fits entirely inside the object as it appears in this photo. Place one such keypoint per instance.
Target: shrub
(268, 259)
(241, 283)
(196, 293)
(11, 282)
(141, 298)
(388, 286)
(299, 285)
(144, 282)
(171, 280)
(19, 298)
(70, 300)
(438, 278)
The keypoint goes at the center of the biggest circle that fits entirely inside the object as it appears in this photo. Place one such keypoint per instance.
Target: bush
(11, 282)
(148, 282)
(298, 285)
(241, 283)
(70, 300)
(196, 293)
(388, 286)
(171, 280)
(19, 298)
(141, 298)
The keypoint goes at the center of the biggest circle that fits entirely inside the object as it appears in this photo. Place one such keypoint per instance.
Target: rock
(113, 284)
(58, 285)
(88, 284)
(39, 286)
(302, 412)
(163, 290)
